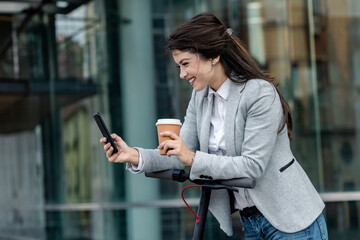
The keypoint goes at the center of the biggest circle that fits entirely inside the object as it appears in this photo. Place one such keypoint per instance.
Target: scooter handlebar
(166, 174)
(172, 174)
(240, 182)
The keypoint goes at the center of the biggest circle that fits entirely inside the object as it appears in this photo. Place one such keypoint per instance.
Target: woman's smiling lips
(191, 81)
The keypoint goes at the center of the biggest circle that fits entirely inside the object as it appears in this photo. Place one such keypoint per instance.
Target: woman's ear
(215, 60)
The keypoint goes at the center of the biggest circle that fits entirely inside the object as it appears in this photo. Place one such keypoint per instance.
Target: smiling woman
(237, 125)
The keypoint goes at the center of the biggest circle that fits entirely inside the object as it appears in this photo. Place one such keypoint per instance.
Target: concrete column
(138, 101)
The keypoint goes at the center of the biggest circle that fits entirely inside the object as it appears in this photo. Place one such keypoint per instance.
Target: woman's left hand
(176, 146)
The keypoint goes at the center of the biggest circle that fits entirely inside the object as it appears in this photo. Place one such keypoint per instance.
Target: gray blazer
(255, 149)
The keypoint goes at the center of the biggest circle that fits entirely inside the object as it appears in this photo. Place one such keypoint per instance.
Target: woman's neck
(220, 78)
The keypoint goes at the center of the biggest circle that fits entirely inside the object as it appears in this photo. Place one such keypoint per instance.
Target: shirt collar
(223, 91)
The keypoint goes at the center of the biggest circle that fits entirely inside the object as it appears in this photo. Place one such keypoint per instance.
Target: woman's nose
(182, 73)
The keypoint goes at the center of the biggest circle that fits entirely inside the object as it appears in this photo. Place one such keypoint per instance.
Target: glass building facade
(62, 61)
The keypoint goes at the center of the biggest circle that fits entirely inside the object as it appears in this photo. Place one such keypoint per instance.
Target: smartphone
(104, 130)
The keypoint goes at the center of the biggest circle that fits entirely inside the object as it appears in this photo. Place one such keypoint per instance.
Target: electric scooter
(207, 186)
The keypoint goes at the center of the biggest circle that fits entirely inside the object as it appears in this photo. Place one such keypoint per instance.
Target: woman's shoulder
(258, 83)
(255, 87)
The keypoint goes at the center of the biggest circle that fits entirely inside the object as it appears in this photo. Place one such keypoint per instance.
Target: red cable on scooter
(182, 195)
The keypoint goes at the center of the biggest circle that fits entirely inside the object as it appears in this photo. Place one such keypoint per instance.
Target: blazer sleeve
(261, 106)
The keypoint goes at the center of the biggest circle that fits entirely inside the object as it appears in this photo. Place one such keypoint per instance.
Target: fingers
(165, 146)
(121, 155)
(172, 135)
(171, 152)
(106, 146)
(178, 148)
(169, 144)
(109, 152)
(174, 145)
(103, 140)
(116, 137)
(111, 156)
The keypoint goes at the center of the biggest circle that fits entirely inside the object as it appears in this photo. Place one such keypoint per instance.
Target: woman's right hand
(125, 153)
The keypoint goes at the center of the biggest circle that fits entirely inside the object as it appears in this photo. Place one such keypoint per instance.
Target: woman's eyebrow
(184, 59)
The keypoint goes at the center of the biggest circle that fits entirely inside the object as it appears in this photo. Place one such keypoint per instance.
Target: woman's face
(197, 71)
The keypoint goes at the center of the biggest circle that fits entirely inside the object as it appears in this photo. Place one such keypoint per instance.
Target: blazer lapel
(231, 110)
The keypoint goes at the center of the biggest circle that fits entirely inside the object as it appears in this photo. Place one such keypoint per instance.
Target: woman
(237, 124)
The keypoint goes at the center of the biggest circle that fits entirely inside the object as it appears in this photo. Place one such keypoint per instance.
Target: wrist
(134, 157)
(192, 159)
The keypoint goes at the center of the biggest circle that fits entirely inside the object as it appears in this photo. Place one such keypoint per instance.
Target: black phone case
(104, 130)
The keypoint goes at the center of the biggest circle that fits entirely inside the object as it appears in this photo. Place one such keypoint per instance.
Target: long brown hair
(205, 35)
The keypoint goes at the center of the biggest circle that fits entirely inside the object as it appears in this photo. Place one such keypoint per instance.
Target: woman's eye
(182, 64)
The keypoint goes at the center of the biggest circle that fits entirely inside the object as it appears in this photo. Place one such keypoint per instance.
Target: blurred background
(62, 61)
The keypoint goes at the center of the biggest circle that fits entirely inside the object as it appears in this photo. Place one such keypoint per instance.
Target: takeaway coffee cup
(167, 124)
